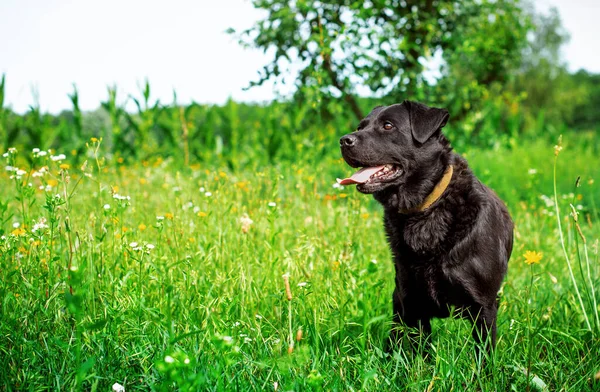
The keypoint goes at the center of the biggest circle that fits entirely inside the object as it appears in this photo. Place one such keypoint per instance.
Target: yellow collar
(435, 194)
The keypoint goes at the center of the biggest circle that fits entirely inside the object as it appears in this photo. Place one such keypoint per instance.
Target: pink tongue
(361, 176)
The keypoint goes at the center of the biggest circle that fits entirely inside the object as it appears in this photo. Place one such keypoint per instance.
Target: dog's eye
(388, 126)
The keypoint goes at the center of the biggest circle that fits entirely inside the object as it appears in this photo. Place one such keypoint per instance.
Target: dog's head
(400, 148)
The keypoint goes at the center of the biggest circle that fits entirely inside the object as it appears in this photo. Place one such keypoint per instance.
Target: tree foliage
(383, 48)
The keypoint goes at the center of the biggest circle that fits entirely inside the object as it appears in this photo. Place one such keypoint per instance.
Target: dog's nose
(348, 141)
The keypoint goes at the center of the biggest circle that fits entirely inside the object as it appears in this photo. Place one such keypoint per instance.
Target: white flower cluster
(58, 158)
(206, 193)
(37, 153)
(11, 151)
(40, 225)
(141, 248)
(19, 173)
(549, 202)
(41, 172)
(116, 196)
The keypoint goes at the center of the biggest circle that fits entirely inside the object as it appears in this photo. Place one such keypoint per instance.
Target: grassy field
(162, 278)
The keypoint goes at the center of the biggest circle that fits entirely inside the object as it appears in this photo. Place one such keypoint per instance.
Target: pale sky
(47, 45)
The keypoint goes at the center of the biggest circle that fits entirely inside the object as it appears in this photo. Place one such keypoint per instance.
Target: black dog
(450, 235)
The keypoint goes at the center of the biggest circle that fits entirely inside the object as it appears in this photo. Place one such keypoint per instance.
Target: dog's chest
(420, 251)
(423, 236)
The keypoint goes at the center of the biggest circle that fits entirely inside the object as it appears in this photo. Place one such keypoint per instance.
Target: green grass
(206, 308)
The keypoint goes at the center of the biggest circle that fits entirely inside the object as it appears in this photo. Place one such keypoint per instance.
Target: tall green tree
(381, 48)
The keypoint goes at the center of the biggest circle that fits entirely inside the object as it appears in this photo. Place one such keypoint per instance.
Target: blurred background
(241, 82)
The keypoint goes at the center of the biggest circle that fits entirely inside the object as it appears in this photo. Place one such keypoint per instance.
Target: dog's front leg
(409, 324)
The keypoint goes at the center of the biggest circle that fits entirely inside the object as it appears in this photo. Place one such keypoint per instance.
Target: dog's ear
(425, 121)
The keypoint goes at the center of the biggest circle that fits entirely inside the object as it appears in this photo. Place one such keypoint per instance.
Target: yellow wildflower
(142, 227)
(168, 215)
(532, 257)
(18, 231)
(65, 166)
(202, 214)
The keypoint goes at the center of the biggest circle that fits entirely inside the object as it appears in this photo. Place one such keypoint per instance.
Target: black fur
(453, 254)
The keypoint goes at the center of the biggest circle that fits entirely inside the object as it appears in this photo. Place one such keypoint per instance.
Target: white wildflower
(338, 186)
(121, 197)
(169, 359)
(118, 387)
(40, 225)
(58, 158)
(272, 204)
(107, 207)
(43, 170)
(246, 222)
(532, 171)
(547, 201)
(208, 194)
(149, 246)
